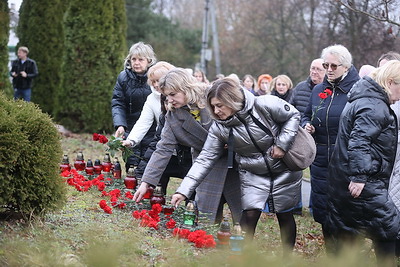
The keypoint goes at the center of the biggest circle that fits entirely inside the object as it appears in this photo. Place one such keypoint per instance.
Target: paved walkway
(305, 192)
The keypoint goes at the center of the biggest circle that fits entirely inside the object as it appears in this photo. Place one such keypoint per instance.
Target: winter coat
(30, 67)
(364, 153)
(301, 95)
(285, 97)
(326, 123)
(181, 128)
(130, 93)
(256, 179)
(151, 113)
(394, 185)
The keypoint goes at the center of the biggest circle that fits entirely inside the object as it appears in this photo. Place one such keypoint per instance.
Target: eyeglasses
(333, 66)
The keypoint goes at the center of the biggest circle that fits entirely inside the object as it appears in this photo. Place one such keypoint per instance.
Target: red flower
(323, 95)
(95, 137)
(182, 233)
(128, 195)
(121, 205)
(102, 204)
(156, 208)
(193, 236)
(171, 224)
(108, 210)
(103, 139)
(101, 186)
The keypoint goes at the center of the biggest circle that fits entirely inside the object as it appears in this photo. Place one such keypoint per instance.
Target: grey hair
(339, 51)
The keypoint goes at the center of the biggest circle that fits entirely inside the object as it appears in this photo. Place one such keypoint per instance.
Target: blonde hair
(158, 70)
(24, 49)
(284, 78)
(142, 50)
(180, 80)
(229, 92)
(388, 72)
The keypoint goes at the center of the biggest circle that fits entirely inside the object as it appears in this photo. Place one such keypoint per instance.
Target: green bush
(30, 152)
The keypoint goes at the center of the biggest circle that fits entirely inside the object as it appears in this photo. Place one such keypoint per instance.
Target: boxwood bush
(30, 152)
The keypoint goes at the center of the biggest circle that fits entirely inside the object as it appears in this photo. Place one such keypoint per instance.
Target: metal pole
(204, 42)
(215, 38)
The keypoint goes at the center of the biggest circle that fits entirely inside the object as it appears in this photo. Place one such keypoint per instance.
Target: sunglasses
(333, 66)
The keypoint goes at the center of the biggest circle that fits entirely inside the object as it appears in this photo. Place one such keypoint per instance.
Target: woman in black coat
(130, 94)
(361, 164)
(321, 119)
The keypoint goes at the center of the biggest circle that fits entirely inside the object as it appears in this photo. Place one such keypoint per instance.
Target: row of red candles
(113, 169)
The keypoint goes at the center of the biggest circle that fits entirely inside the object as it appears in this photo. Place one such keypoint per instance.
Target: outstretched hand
(138, 196)
(176, 199)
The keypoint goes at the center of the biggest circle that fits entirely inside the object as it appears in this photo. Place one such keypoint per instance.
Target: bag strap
(255, 143)
(259, 124)
(231, 152)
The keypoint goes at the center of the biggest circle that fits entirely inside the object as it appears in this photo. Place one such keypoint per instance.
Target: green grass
(81, 234)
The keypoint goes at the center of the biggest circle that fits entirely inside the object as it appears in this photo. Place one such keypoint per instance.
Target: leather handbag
(302, 152)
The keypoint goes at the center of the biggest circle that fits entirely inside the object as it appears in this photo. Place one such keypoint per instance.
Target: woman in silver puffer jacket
(265, 179)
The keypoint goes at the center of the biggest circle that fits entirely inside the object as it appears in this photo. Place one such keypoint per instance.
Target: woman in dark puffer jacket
(362, 162)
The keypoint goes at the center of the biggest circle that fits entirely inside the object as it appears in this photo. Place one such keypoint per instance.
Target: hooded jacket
(256, 180)
(364, 153)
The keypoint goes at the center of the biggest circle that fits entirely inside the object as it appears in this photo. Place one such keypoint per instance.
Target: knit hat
(263, 76)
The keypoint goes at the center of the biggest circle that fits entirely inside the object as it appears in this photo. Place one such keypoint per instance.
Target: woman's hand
(127, 143)
(277, 152)
(309, 128)
(356, 189)
(176, 199)
(120, 131)
(138, 196)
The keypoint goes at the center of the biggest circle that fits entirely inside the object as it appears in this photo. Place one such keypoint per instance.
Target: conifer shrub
(30, 152)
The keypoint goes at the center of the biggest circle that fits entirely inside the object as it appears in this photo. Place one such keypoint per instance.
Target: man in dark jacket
(23, 70)
(302, 91)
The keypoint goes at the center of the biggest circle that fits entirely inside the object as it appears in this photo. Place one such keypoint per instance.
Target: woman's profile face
(199, 76)
(395, 91)
(334, 68)
(281, 87)
(222, 111)
(139, 64)
(175, 99)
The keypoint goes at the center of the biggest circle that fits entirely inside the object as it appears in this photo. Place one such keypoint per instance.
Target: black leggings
(287, 226)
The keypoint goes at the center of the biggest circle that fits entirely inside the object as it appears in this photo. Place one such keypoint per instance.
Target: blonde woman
(187, 123)
(361, 164)
(281, 86)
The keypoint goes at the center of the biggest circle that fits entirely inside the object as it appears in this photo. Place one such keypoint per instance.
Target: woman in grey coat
(187, 123)
(265, 179)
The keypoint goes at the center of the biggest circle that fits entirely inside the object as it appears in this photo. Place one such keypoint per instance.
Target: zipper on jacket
(326, 123)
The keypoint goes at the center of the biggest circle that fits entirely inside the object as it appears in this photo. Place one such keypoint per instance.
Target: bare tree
(382, 12)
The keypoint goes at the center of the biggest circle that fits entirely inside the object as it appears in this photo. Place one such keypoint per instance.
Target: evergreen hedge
(5, 84)
(94, 44)
(40, 28)
(30, 153)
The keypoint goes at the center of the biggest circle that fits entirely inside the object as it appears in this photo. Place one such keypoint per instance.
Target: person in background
(265, 178)
(200, 76)
(391, 55)
(301, 97)
(321, 119)
(23, 70)
(365, 70)
(361, 164)
(187, 123)
(263, 82)
(130, 93)
(281, 86)
(249, 83)
(302, 91)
